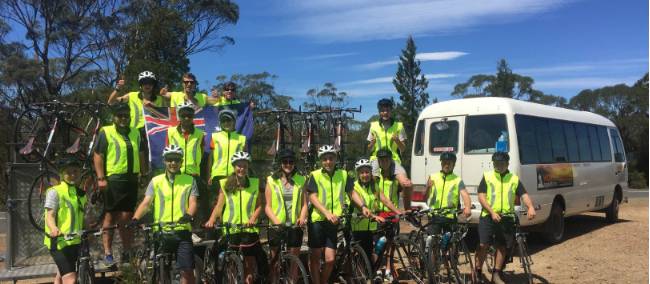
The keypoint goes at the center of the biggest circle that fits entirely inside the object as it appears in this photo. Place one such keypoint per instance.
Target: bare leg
(275, 264)
(126, 235)
(294, 269)
(57, 278)
(314, 264)
(187, 277)
(69, 278)
(249, 267)
(330, 257)
(107, 236)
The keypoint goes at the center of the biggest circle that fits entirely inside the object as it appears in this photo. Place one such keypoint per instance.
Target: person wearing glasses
(330, 189)
(286, 204)
(228, 96)
(119, 161)
(189, 93)
(147, 96)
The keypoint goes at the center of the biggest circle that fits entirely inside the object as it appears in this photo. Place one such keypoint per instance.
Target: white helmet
(239, 156)
(146, 75)
(185, 105)
(362, 163)
(326, 149)
(172, 149)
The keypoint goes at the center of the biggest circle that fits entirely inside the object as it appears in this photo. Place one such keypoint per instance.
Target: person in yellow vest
(240, 203)
(286, 204)
(497, 193)
(118, 165)
(190, 139)
(364, 229)
(224, 144)
(445, 190)
(389, 135)
(147, 96)
(228, 96)
(174, 197)
(64, 214)
(189, 93)
(329, 189)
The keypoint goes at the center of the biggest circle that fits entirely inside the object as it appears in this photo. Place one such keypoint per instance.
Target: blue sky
(566, 46)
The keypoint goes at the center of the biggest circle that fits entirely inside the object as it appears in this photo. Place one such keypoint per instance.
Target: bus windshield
(443, 137)
(486, 134)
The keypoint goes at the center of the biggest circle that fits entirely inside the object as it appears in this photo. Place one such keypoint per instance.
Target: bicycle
(290, 268)
(308, 135)
(153, 260)
(520, 246)
(351, 265)
(84, 264)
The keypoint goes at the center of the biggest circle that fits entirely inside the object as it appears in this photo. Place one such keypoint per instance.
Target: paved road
(637, 193)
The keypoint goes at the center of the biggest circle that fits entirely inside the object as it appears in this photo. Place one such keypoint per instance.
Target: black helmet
(384, 153)
(286, 153)
(385, 103)
(448, 156)
(68, 161)
(500, 157)
(120, 107)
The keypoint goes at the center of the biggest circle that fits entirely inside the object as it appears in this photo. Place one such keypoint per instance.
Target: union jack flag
(158, 119)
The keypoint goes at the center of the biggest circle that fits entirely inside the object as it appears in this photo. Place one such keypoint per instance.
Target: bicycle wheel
(84, 124)
(433, 260)
(524, 258)
(163, 271)
(292, 270)
(94, 211)
(462, 261)
(36, 198)
(86, 274)
(410, 258)
(31, 134)
(359, 265)
(233, 269)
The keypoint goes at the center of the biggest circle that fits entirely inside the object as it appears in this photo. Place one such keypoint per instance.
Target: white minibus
(569, 161)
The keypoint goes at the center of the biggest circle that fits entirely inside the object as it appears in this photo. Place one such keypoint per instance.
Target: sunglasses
(288, 162)
(189, 82)
(169, 160)
(229, 90)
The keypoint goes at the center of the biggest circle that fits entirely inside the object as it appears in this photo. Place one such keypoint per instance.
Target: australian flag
(158, 119)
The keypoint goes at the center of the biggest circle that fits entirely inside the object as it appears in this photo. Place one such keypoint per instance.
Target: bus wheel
(554, 226)
(611, 214)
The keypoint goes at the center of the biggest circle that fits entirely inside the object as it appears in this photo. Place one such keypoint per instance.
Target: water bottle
(379, 246)
(220, 260)
(445, 240)
(502, 142)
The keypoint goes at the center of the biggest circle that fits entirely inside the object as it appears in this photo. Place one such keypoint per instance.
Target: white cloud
(328, 56)
(383, 80)
(439, 76)
(425, 56)
(583, 82)
(363, 20)
(582, 67)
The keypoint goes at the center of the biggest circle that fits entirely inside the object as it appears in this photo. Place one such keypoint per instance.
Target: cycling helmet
(226, 113)
(448, 156)
(385, 103)
(362, 163)
(120, 107)
(326, 149)
(384, 153)
(172, 149)
(185, 106)
(500, 157)
(286, 154)
(146, 76)
(240, 156)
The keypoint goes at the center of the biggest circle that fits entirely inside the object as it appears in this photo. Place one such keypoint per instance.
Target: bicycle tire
(86, 274)
(36, 198)
(94, 211)
(432, 260)
(409, 256)
(31, 124)
(523, 257)
(164, 272)
(463, 261)
(289, 261)
(233, 269)
(361, 271)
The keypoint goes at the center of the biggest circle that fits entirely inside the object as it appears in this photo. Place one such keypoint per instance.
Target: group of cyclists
(224, 192)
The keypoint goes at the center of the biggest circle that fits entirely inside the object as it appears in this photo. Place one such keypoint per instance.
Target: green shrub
(637, 180)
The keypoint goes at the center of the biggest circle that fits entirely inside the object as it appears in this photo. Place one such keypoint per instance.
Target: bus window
(443, 139)
(543, 143)
(595, 143)
(619, 153)
(603, 139)
(583, 142)
(483, 131)
(557, 141)
(527, 141)
(418, 146)
(571, 142)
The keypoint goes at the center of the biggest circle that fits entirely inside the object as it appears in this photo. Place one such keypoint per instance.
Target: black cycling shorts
(121, 194)
(66, 259)
(503, 232)
(322, 234)
(293, 237)
(181, 244)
